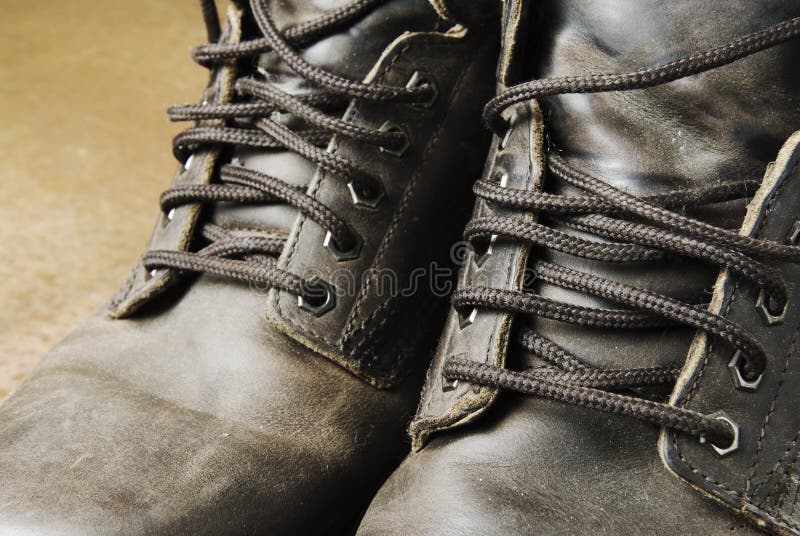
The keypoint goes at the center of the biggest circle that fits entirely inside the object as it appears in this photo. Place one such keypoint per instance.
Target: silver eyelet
(734, 446)
(188, 163)
(167, 218)
(467, 320)
(389, 126)
(150, 274)
(770, 317)
(507, 135)
(329, 243)
(480, 259)
(366, 199)
(418, 79)
(501, 177)
(326, 301)
(736, 373)
(449, 384)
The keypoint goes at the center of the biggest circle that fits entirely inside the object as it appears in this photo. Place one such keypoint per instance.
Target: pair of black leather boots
(621, 351)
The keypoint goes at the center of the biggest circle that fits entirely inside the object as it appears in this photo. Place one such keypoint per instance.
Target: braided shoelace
(637, 229)
(249, 122)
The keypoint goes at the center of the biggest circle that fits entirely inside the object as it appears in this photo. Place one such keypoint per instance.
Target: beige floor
(84, 153)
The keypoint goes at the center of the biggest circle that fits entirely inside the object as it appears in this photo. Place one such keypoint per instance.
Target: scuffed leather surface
(532, 466)
(199, 419)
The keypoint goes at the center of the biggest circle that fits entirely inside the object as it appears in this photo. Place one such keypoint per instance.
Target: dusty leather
(529, 466)
(192, 413)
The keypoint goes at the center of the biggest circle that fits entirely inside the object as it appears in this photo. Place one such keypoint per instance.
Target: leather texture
(488, 462)
(187, 411)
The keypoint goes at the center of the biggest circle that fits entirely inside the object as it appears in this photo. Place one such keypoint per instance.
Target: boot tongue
(723, 125)
(350, 52)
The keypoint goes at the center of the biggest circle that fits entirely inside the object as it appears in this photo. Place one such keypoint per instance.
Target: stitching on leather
(781, 462)
(742, 497)
(736, 287)
(751, 472)
(354, 111)
(355, 108)
(351, 331)
(696, 471)
(400, 358)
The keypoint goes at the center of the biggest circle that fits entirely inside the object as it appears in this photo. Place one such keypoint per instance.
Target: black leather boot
(599, 373)
(256, 374)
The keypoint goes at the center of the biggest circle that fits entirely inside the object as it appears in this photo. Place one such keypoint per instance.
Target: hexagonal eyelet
(736, 373)
(320, 299)
(419, 79)
(389, 126)
(793, 238)
(465, 320)
(347, 255)
(369, 196)
(734, 446)
(770, 316)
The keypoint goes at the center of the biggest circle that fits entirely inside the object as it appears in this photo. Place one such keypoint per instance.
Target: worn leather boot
(257, 372)
(599, 373)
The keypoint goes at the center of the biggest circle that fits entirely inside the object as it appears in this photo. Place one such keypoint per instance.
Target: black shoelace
(638, 228)
(249, 122)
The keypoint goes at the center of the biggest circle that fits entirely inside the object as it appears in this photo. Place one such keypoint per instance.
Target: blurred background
(84, 155)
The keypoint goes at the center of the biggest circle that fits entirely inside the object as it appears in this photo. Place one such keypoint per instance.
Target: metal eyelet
(504, 140)
(771, 317)
(449, 384)
(509, 129)
(167, 218)
(738, 379)
(467, 320)
(480, 258)
(364, 195)
(389, 126)
(419, 79)
(320, 300)
(150, 274)
(734, 446)
(343, 255)
(501, 177)
(188, 163)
